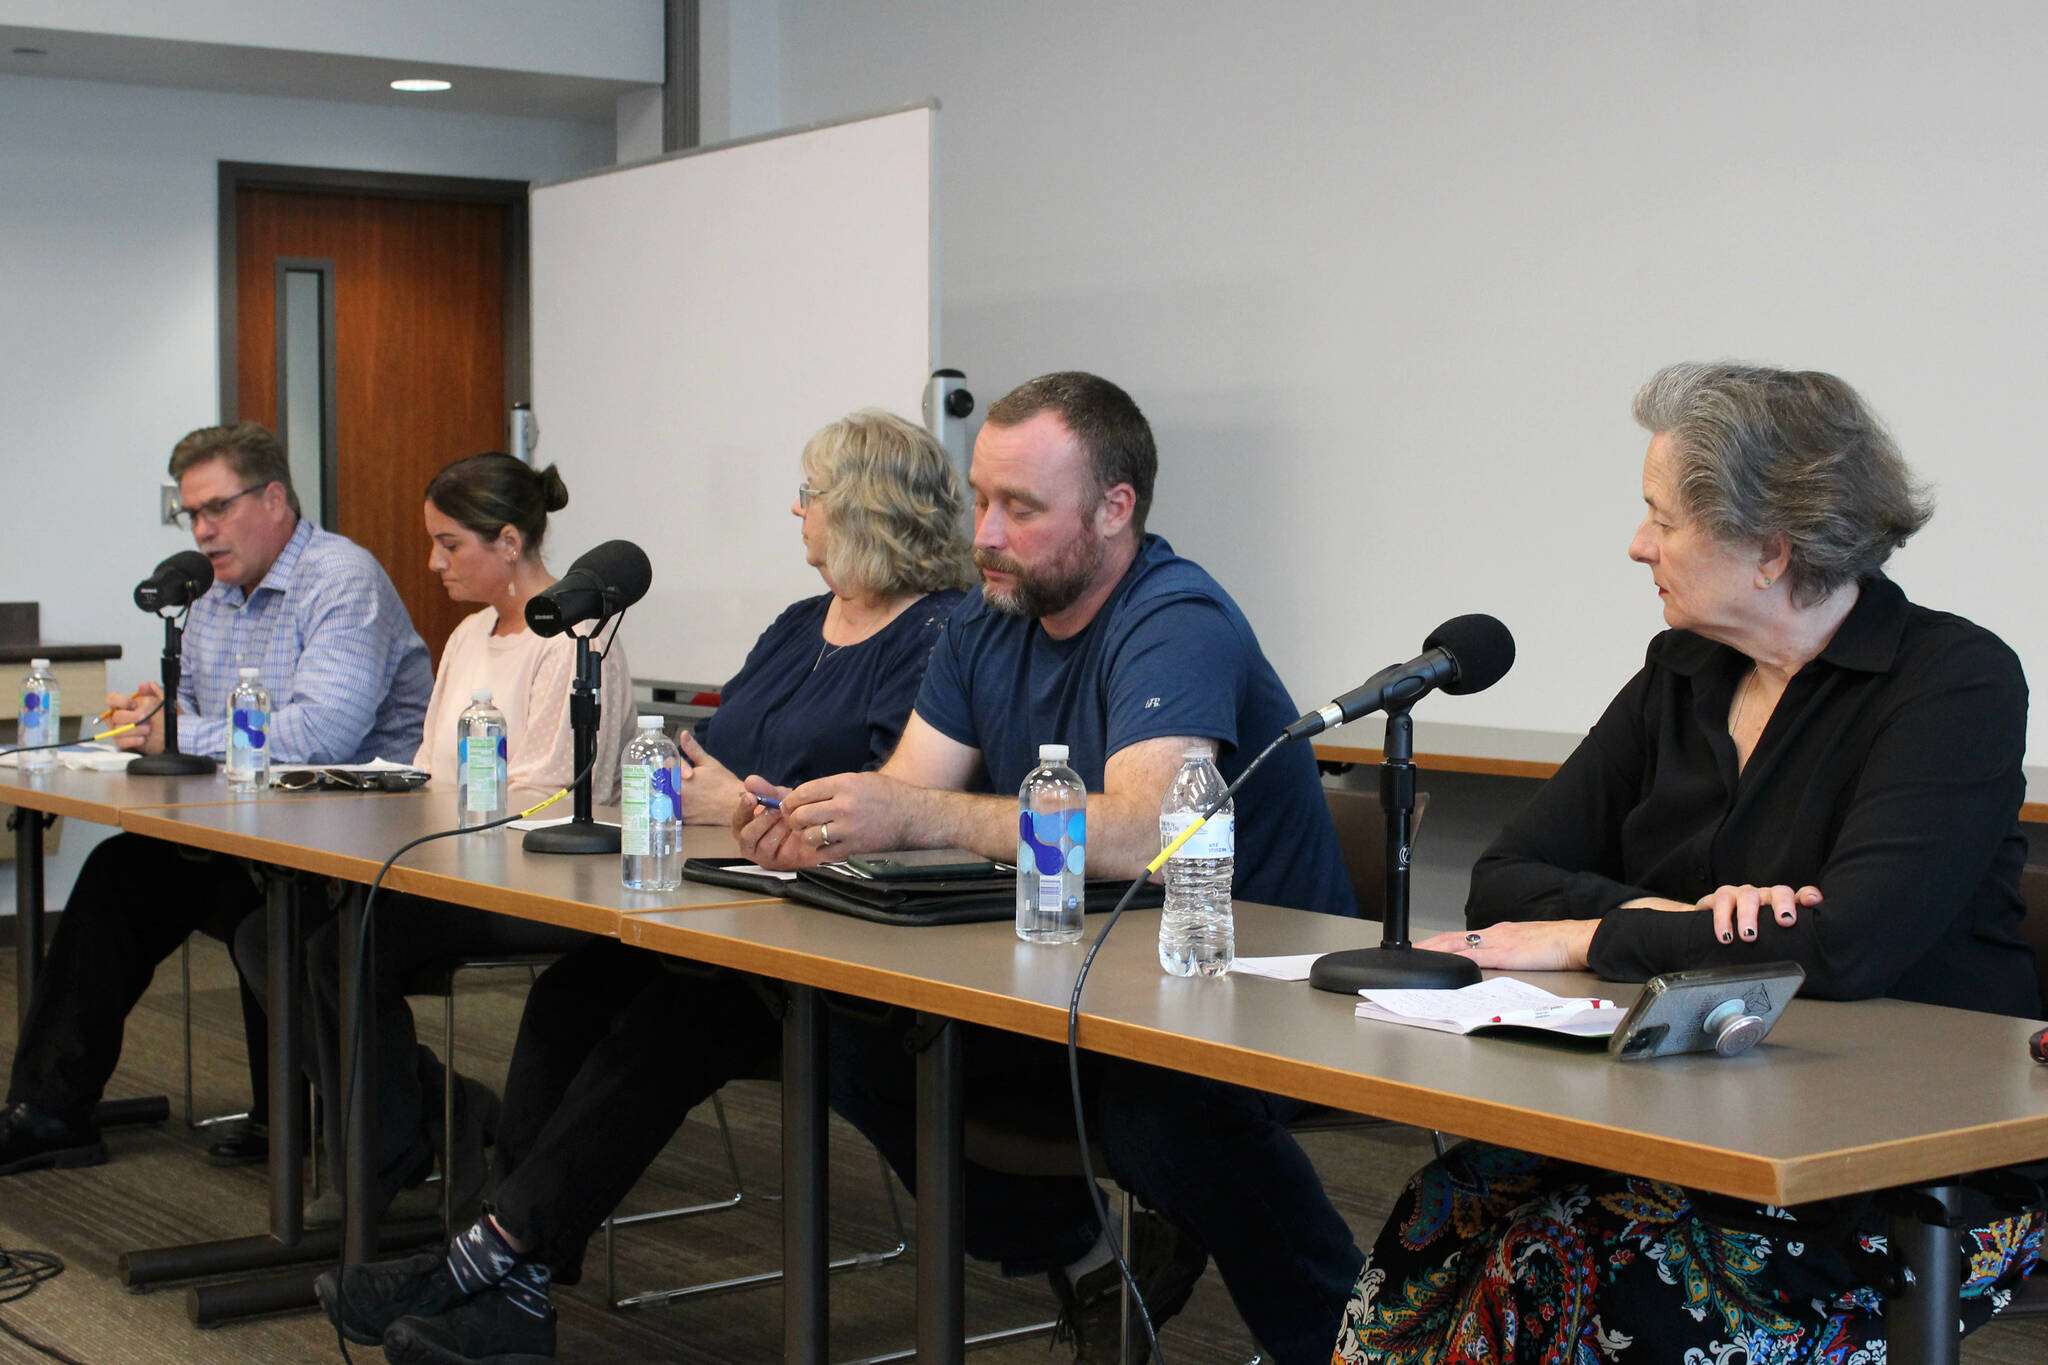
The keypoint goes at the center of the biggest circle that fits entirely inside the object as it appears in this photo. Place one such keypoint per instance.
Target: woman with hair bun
(487, 517)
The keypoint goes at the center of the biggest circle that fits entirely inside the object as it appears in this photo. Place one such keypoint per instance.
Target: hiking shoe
(490, 1329)
(364, 1300)
(1165, 1262)
(33, 1139)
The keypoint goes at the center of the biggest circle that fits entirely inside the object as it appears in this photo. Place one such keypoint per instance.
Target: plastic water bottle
(1052, 849)
(482, 788)
(651, 811)
(248, 734)
(1196, 934)
(37, 719)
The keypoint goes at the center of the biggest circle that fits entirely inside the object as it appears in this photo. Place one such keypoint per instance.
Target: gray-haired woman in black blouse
(1808, 766)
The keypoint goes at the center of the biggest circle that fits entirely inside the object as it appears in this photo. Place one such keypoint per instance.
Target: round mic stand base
(577, 836)
(170, 764)
(1383, 968)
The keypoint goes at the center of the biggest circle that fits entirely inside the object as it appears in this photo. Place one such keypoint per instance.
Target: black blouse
(1888, 776)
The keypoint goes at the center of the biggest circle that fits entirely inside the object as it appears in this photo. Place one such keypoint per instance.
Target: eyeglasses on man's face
(214, 508)
(804, 494)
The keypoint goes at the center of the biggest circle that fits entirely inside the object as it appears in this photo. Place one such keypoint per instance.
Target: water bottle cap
(248, 674)
(1194, 752)
(482, 694)
(1052, 753)
(43, 664)
(650, 722)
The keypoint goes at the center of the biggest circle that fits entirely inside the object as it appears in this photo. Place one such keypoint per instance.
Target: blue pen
(771, 802)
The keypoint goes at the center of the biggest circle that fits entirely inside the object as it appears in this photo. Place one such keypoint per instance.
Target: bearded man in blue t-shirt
(1091, 633)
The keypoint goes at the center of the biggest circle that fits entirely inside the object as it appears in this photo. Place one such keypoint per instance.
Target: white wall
(1385, 277)
(108, 314)
(615, 39)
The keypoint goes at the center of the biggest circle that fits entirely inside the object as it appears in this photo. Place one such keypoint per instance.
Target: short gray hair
(895, 514)
(1794, 453)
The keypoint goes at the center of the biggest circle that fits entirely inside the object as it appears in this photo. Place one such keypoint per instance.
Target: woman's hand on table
(1548, 945)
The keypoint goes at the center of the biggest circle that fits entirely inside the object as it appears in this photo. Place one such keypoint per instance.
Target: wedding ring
(824, 834)
(1471, 940)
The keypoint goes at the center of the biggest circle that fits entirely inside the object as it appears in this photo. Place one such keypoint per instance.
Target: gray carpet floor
(159, 1190)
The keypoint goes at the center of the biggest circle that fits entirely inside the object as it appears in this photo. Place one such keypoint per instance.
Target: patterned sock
(480, 1257)
(527, 1286)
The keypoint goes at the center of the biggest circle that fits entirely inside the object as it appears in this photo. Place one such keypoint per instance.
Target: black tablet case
(963, 900)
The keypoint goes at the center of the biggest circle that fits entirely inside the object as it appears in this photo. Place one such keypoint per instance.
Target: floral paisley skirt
(1498, 1257)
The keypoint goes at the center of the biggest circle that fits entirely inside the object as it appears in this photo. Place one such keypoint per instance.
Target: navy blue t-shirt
(1168, 654)
(800, 708)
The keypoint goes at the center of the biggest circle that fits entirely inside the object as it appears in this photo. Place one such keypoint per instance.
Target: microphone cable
(21, 1274)
(1116, 1249)
(359, 996)
(87, 739)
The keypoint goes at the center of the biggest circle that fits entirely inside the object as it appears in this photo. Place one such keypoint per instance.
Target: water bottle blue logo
(1040, 840)
(32, 701)
(250, 727)
(664, 802)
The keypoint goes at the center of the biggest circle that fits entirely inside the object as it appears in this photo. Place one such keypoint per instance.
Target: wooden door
(419, 356)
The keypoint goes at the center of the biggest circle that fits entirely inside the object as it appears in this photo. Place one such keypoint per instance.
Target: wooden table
(1843, 1099)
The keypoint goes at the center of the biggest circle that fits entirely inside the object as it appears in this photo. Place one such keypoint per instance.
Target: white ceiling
(71, 55)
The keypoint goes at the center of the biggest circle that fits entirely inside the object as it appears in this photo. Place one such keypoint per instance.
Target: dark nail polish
(1749, 933)
(1727, 938)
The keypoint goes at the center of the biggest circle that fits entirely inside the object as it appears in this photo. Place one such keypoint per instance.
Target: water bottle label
(480, 793)
(664, 802)
(1216, 839)
(250, 729)
(635, 793)
(1040, 833)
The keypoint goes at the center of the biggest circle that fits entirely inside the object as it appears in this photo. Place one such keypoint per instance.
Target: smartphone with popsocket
(1718, 1009)
(922, 864)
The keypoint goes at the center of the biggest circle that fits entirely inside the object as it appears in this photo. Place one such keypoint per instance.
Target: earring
(1767, 582)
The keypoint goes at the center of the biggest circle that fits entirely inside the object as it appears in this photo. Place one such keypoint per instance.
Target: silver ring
(1471, 940)
(824, 834)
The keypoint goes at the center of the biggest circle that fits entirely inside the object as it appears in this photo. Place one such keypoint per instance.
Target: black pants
(135, 901)
(410, 932)
(615, 1048)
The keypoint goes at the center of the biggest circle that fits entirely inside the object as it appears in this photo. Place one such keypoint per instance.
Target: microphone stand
(171, 763)
(581, 834)
(1396, 963)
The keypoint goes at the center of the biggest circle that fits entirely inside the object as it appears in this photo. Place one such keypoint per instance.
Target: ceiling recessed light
(421, 86)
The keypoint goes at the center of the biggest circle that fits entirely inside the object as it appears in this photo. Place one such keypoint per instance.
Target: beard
(1047, 591)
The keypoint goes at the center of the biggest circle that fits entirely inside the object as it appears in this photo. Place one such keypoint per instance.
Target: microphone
(177, 582)
(603, 582)
(1464, 654)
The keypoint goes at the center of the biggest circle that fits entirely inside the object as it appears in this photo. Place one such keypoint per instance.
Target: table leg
(805, 1301)
(358, 1061)
(1925, 1320)
(28, 906)
(29, 894)
(941, 1199)
(287, 1244)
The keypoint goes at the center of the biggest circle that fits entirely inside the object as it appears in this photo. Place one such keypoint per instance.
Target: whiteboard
(695, 319)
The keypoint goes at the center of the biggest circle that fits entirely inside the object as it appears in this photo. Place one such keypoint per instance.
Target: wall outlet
(168, 504)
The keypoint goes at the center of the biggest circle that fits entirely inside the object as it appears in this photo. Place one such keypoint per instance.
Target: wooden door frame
(510, 194)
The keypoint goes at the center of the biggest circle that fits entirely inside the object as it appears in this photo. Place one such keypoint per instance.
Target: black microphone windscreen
(192, 566)
(1484, 649)
(621, 566)
(178, 581)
